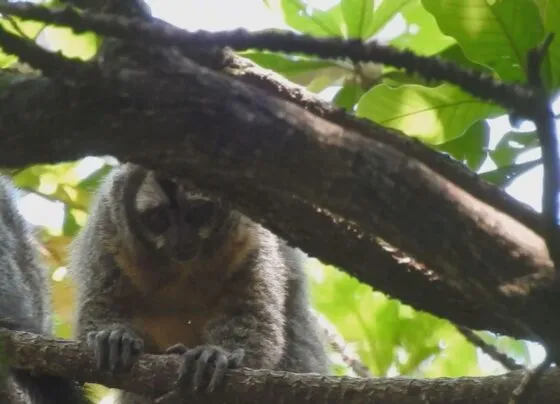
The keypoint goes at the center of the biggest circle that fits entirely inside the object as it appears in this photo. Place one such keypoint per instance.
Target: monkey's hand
(205, 365)
(116, 347)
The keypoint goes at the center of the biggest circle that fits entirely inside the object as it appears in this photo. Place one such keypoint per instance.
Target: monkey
(160, 268)
(25, 306)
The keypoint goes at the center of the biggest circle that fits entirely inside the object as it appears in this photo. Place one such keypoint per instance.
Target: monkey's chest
(177, 313)
(163, 330)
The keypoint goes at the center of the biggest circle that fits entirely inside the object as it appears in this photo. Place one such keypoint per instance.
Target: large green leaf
(495, 33)
(423, 35)
(357, 14)
(550, 14)
(310, 20)
(433, 114)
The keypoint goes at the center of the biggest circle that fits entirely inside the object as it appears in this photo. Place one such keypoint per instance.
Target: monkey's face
(174, 221)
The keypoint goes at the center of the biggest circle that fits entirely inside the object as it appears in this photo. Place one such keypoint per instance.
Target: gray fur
(258, 303)
(25, 304)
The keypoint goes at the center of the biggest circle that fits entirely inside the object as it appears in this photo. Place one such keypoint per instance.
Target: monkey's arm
(248, 330)
(103, 321)
(112, 337)
(254, 326)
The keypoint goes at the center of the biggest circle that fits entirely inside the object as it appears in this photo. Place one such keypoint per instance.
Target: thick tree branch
(153, 375)
(200, 47)
(360, 188)
(241, 143)
(482, 296)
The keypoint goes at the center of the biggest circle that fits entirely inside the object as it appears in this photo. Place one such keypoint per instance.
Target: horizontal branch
(153, 375)
(239, 142)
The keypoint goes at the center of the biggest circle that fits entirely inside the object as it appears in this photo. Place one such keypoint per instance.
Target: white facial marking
(150, 194)
(159, 242)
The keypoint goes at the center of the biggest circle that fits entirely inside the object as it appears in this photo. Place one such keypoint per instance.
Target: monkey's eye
(199, 213)
(157, 219)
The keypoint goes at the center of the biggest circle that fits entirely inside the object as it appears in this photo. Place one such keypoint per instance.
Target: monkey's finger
(221, 364)
(115, 339)
(235, 358)
(100, 348)
(177, 349)
(126, 351)
(90, 339)
(201, 369)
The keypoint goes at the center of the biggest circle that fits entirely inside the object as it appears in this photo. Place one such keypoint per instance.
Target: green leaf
(511, 145)
(348, 96)
(310, 20)
(351, 307)
(455, 54)
(433, 114)
(471, 147)
(70, 227)
(550, 14)
(357, 14)
(299, 70)
(383, 14)
(423, 35)
(16, 26)
(28, 179)
(92, 181)
(495, 33)
(504, 176)
(419, 335)
(83, 46)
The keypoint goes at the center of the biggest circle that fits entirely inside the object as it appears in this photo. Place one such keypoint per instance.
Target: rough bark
(153, 376)
(261, 152)
(480, 257)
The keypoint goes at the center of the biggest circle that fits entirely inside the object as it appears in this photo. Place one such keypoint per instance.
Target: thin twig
(489, 349)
